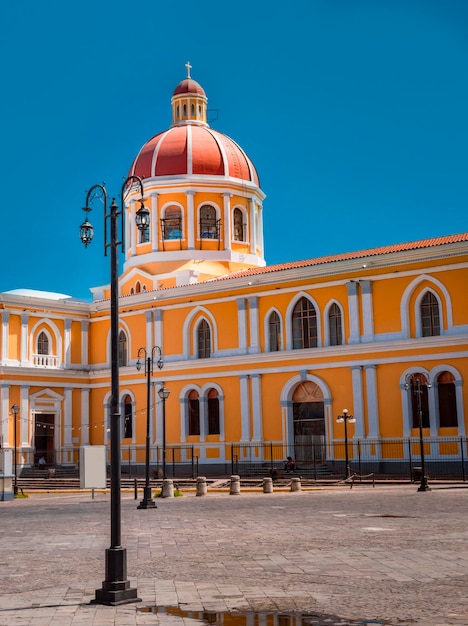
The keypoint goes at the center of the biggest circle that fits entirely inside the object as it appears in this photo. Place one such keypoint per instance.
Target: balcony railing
(45, 360)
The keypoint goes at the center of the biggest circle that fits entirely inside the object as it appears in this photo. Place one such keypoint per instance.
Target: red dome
(188, 85)
(193, 150)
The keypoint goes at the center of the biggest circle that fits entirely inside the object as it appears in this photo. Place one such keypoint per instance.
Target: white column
(254, 323)
(245, 407)
(261, 244)
(227, 220)
(353, 308)
(242, 323)
(459, 405)
(149, 331)
(84, 416)
(67, 341)
(5, 408)
(191, 225)
(372, 401)
(24, 415)
(154, 222)
(367, 310)
(158, 328)
(67, 417)
(257, 407)
(253, 227)
(358, 403)
(24, 339)
(132, 229)
(5, 320)
(203, 401)
(84, 342)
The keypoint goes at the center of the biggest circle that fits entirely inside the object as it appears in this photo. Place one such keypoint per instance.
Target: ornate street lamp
(15, 411)
(148, 502)
(415, 386)
(164, 395)
(115, 588)
(346, 417)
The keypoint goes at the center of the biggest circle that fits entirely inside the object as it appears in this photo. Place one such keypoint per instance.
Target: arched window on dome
(239, 227)
(171, 224)
(209, 224)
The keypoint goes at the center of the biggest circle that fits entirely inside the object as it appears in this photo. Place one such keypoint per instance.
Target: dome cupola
(189, 102)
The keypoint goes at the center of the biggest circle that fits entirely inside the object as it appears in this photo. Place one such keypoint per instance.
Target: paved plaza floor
(388, 555)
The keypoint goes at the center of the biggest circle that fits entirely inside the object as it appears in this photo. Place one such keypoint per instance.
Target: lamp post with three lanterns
(148, 502)
(115, 588)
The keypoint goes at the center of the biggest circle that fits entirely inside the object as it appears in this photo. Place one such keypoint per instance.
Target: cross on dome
(189, 67)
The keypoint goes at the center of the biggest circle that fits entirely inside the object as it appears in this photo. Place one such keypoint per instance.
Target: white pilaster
(85, 416)
(367, 310)
(358, 402)
(132, 228)
(158, 322)
(5, 408)
(254, 347)
(154, 222)
(24, 339)
(227, 220)
(24, 415)
(257, 407)
(245, 407)
(242, 323)
(5, 321)
(372, 401)
(84, 342)
(253, 227)
(149, 331)
(191, 222)
(353, 307)
(67, 342)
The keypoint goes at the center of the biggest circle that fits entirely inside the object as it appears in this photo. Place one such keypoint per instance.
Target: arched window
(274, 332)
(239, 234)
(122, 356)
(334, 325)
(419, 401)
(171, 224)
(430, 317)
(208, 222)
(203, 340)
(193, 413)
(448, 416)
(42, 343)
(138, 287)
(128, 421)
(304, 323)
(213, 412)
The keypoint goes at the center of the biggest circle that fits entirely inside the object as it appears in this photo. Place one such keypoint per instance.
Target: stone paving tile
(336, 553)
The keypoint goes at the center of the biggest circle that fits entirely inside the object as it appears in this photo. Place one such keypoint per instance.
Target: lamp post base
(424, 486)
(116, 591)
(147, 502)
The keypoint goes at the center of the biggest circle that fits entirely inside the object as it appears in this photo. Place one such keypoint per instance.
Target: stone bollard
(295, 484)
(167, 488)
(202, 488)
(267, 485)
(235, 486)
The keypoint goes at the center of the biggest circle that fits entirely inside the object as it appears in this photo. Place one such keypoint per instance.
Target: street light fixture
(148, 502)
(413, 384)
(164, 395)
(15, 411)
(346, 417)
(115, 588)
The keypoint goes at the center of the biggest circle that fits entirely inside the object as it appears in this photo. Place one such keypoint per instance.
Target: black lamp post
(413, 384)
(164, 394)
(15, 411)
(148, 502)
(115, 588)
(346, 417)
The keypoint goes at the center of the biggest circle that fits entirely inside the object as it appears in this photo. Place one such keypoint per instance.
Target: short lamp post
(414, 385)
(164, 395)
(15, 411)
(346, 417)
(115, 588)
(148, 502)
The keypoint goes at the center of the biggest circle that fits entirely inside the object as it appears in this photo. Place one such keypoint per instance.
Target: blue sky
(354, 112)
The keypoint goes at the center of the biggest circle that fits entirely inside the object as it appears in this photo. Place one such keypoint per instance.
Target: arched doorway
(309, 422)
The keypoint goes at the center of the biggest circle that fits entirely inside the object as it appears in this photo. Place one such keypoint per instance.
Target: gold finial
(189, 67)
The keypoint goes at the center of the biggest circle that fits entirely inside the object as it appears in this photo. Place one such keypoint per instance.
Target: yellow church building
(259, 360)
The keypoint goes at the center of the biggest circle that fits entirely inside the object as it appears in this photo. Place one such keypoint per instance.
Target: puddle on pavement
(259, 618)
